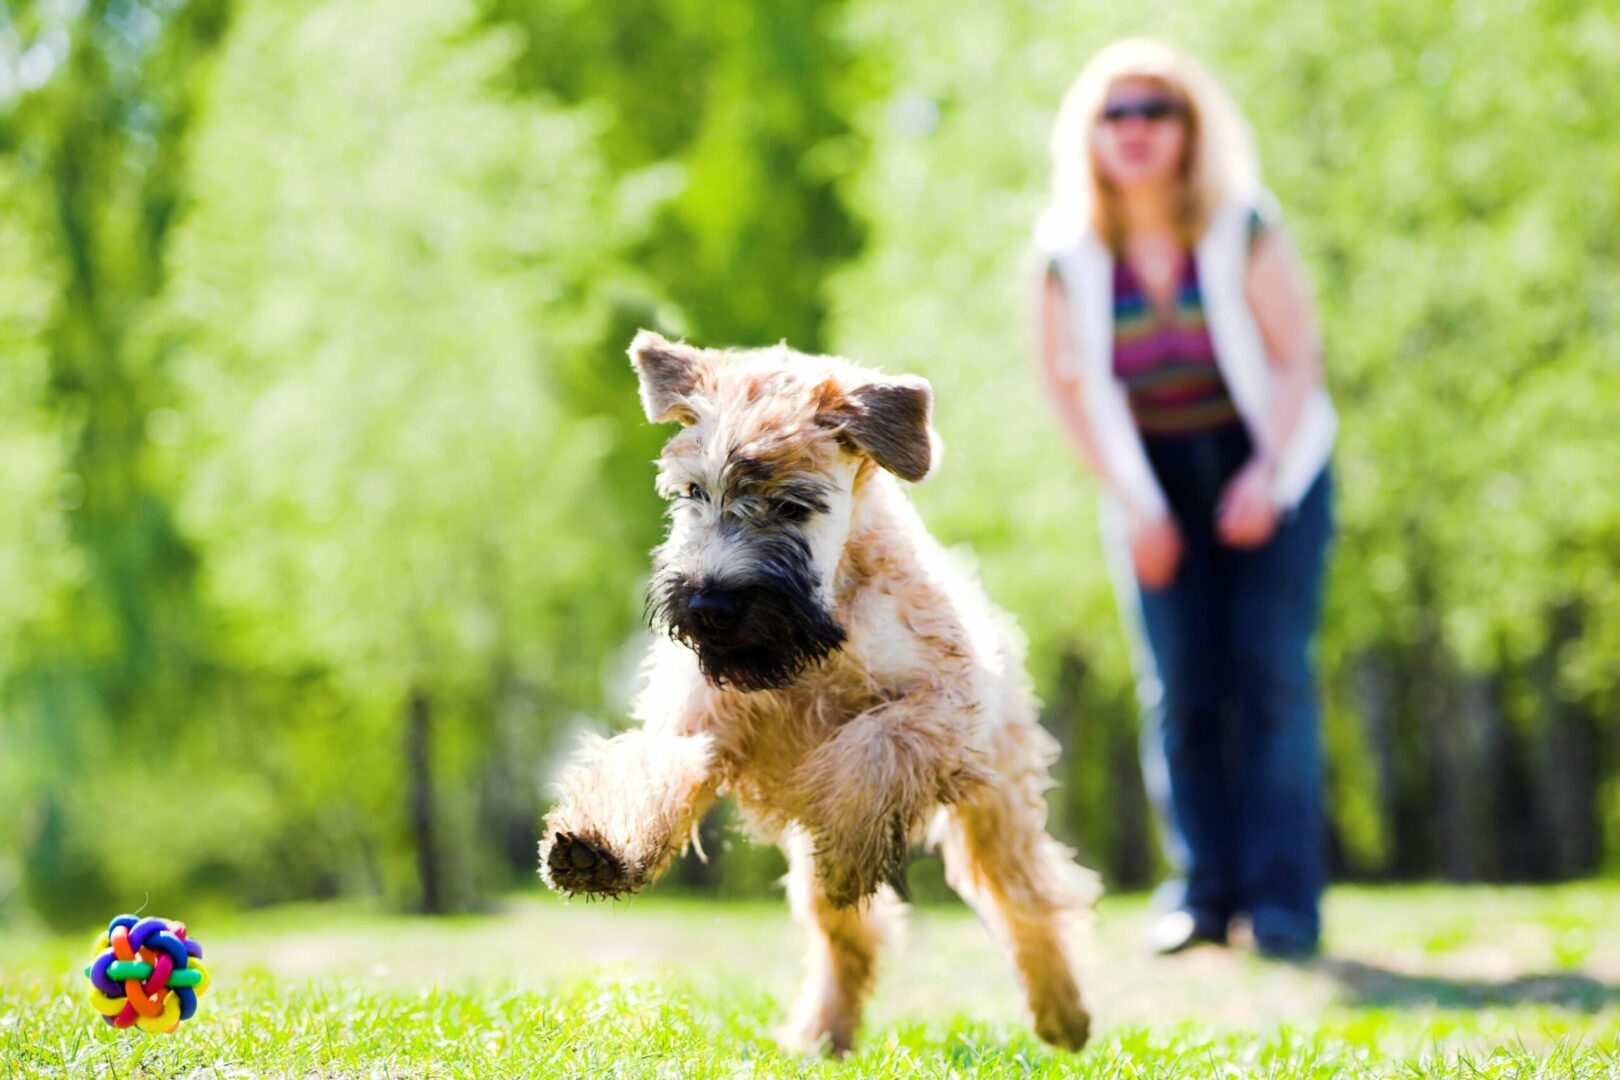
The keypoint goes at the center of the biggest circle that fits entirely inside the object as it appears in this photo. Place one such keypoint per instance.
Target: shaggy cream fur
(921, 724)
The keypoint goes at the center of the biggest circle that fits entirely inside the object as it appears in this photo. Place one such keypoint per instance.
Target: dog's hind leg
(1029, 892)
(841, 960)
(629, 805)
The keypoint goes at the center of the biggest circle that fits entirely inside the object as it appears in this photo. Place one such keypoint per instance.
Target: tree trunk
(1062, 720)
(419, 757)
(1563, 770)
(1099, 801)
(1466, 745)
(1373, 688)
(1134, 861)
(509, 797)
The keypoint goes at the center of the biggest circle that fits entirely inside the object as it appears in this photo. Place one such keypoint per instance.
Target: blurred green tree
(731, 113)
(104, 625)
(386, 258)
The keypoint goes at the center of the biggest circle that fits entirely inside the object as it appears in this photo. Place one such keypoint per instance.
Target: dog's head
(763, 478)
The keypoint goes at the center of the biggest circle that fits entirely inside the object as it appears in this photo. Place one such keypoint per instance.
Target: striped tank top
(1165, 359)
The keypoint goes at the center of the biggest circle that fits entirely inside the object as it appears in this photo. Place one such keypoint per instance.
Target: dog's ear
(889, 421)
(668, 372)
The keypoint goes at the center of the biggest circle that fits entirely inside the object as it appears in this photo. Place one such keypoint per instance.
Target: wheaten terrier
(833, 668)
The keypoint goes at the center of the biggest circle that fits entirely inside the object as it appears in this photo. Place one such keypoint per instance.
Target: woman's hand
(1247, 514)
(1155, 549)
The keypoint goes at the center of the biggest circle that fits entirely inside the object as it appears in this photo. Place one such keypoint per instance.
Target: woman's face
(1141, 134)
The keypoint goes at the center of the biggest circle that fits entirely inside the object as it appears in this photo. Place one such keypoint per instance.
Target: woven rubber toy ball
(146, 973)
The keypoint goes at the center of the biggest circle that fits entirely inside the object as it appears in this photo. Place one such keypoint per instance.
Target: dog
(831, 667)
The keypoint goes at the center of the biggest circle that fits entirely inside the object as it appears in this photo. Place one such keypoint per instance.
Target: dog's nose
(714, 610)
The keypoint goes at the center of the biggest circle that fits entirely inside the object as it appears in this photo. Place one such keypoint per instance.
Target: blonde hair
(1219, 161)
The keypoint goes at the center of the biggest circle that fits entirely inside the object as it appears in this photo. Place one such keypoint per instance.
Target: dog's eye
(791, 511)
(695, 492)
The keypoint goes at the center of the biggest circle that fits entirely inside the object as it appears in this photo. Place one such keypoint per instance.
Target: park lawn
(1416, 982)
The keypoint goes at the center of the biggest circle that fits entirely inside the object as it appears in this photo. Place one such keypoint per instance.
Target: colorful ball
(146, 973)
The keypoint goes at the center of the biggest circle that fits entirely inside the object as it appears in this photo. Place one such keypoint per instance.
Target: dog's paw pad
(575, 865)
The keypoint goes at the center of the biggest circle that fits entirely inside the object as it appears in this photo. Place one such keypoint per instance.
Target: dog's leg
(1028, 890)
(864, 792)
(629, 805)
(841, 962)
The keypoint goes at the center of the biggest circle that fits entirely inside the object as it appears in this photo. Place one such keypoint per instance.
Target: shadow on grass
(1373, 986)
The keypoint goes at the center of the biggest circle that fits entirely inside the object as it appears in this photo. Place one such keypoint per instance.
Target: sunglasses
(1151, 109)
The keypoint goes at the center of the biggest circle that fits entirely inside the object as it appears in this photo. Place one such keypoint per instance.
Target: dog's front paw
(573, 864)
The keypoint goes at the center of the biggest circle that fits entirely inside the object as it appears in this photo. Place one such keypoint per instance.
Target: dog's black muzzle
(756, 635)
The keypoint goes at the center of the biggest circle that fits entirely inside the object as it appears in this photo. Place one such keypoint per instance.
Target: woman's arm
(1274, 285)
(1154, 541)
(1057, 341)
(1276, 289)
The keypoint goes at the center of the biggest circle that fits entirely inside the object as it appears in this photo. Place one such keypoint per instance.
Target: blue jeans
(1231, 739)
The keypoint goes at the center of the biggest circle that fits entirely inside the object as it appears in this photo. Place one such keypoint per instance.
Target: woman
(1180, 347)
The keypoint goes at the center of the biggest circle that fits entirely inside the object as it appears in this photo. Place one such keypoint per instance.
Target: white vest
(1086, 268)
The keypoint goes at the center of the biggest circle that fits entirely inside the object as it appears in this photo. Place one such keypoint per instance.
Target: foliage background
(328, 494)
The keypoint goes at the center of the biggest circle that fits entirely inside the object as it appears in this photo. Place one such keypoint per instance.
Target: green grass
(1427, 982)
